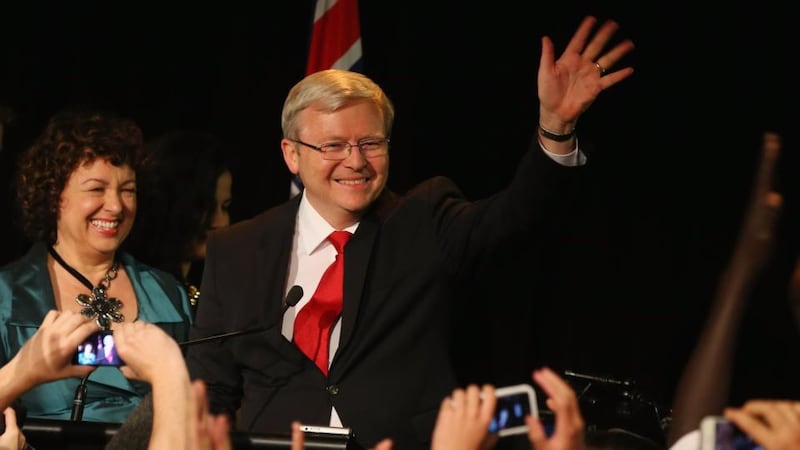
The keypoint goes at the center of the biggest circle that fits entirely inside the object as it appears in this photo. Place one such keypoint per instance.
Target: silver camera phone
(324, 430)
(513, 404)
(717, 432)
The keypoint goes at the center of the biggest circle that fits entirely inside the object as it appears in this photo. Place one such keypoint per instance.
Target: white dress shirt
(312, 253)
(689, 441)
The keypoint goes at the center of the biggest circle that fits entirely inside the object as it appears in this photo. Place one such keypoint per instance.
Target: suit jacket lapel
(272, 264)
(358, 254)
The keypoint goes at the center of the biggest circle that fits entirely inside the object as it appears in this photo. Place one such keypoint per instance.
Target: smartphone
(513, 404)
(326, 437)
(320, 429)
(716, 432)
(97, 350)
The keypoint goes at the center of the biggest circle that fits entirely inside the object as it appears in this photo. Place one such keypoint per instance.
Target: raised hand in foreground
(773, 424)
(47, 356)
(464, 418)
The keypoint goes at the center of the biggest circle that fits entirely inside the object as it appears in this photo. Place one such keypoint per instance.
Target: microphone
(599, 379)
(79, 400)
(292, 297)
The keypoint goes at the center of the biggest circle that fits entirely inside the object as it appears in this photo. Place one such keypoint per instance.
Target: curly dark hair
(72, 137)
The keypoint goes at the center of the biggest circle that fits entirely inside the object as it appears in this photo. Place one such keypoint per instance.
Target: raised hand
(569, 423)
(12, 437)
(757, 234)
(464, 418)
(148, 352)
(773, 424)
(206, 431)
(47, 356)
(704, 385)
(568, 85)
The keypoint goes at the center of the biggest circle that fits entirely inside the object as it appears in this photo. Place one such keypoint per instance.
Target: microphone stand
(79, 400)
(292, 297)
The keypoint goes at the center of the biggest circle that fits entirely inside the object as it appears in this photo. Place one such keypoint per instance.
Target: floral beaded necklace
(97, 303)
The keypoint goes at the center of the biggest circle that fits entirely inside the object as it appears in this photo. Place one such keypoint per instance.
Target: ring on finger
(600, 68)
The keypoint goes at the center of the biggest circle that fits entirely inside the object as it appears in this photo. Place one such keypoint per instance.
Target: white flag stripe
(351, 56)
(322, 7)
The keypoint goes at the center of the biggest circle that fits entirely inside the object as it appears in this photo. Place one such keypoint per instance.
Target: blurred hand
(569, 424)
(206, 431)
(464, 418)
(147, 351)
(12, 438)
(773, 424)
(47, 356)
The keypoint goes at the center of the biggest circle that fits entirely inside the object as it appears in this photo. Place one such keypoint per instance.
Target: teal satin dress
(26, 295)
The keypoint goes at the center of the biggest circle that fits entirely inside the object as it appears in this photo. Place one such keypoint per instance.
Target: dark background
(622, 289)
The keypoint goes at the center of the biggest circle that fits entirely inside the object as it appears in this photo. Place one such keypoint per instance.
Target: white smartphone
(513, 404)
(323, 430)
(716, 432)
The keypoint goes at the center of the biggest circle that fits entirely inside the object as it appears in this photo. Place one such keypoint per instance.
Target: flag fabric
(335, 44)
(335, 36)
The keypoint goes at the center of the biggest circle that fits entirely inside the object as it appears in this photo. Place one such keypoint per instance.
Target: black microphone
(79, 400)
(292, 297)
(599, 379)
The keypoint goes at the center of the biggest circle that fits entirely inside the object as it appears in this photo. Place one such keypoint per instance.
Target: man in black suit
(388, 362)
(107, 353)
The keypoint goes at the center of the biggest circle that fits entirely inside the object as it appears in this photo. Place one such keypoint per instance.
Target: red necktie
(312, 327)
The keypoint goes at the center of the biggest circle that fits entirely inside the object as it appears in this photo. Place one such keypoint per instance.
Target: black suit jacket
(111, 359)
(392, 367)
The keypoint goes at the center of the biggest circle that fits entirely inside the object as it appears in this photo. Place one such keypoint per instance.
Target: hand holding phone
(97, 350)
(513, 404)
(716, 432)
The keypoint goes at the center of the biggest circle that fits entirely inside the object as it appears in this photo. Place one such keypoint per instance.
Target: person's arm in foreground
(151, 355)
(47, 356)
(464, 418)
(569, 424)
(206, 431)
(704, 384)
(773, 424)
(180, 412)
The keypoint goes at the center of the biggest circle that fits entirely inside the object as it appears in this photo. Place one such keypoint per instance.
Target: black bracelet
(555, 136)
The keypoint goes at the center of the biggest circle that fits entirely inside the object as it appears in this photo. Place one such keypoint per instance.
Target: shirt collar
(312, 228)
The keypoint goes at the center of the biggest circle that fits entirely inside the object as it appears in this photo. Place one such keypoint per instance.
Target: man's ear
(290, 155)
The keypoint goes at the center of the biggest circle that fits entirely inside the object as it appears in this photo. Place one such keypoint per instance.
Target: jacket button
(333, 389)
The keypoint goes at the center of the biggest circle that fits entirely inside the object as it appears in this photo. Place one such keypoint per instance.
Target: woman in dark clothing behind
(185, 192)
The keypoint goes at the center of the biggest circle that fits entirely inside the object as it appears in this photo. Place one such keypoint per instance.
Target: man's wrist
(556, 136)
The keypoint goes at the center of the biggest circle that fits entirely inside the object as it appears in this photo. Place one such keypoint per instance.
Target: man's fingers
(599, 41)
(581, 35)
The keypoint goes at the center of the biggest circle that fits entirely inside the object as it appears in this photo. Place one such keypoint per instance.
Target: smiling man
(367, 345)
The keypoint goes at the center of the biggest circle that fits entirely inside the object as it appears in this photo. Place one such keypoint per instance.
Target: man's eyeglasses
(337, 151)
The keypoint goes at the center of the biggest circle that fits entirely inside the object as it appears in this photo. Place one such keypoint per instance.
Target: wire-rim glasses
(339, 150)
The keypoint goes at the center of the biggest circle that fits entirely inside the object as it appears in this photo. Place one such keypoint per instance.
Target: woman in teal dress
(76, 187)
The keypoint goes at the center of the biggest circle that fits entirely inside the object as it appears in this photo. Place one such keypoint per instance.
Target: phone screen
(510, 412)
(729, 437)
(97, 350)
